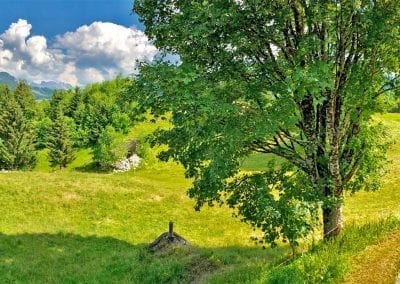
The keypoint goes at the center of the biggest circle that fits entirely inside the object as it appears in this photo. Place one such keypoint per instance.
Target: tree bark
(333, 221)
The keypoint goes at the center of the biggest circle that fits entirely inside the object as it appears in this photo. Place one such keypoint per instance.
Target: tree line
(93, 116)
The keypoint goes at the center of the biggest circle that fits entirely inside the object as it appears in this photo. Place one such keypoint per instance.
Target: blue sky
(54, 17)
(73, 41)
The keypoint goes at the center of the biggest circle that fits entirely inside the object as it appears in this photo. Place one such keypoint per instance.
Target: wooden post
(171, 230)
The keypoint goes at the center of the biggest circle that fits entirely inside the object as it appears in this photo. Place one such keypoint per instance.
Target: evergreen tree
(60, 143)
(77, 98)
(42, 128)
(5, 95)
(57, 104)
(17, 149)
(24, 97)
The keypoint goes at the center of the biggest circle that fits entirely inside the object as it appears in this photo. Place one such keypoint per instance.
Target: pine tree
(17, 149)
(60, 143)
(24, 97)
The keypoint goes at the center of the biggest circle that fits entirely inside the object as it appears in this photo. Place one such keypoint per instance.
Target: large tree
(296, 79)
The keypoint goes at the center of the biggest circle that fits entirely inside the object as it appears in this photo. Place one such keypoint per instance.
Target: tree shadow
(91, 168)
(69, 258)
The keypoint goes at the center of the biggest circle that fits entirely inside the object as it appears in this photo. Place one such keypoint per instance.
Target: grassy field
(79, 226)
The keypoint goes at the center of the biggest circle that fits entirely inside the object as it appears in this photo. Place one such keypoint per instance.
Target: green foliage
(24, 97)
(109, 148)
(296, 80)
(42, 128)
(85, 114)
(16, 136)
(95, 107)
(121, 122)
(59, 143)
(278, 202)
(59, 103)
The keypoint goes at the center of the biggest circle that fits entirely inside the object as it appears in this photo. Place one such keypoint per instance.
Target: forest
(96, 116)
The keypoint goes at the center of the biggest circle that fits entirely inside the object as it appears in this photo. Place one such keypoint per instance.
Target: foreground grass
(383, 258)
(74, 226)
(81, 226)
(340, 260)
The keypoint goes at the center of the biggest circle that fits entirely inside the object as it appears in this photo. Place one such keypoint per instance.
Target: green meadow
(82, 226)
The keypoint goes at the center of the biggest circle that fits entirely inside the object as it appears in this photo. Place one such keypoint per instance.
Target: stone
(127, 164)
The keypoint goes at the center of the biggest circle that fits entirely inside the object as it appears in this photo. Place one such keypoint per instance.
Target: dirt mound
(167, 239)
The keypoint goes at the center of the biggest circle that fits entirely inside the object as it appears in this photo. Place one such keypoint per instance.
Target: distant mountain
(7, 79)
(52, 85)
(42, 91)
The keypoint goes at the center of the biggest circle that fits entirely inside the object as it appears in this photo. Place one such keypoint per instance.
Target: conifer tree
(24, 97)
(17, 149)
(60, 143)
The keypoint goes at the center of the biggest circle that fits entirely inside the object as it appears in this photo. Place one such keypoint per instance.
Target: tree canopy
(295, 79)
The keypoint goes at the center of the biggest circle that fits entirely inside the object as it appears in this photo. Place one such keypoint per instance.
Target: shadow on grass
(68, 258)
(92, 168)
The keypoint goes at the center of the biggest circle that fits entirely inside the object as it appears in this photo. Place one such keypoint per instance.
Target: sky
(71, 41)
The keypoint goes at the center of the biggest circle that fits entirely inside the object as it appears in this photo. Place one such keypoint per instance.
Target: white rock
(127, 164)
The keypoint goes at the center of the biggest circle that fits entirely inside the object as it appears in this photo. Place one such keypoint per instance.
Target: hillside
(83, 226)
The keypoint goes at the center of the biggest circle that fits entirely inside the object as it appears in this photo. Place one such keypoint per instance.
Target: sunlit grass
(77, 225)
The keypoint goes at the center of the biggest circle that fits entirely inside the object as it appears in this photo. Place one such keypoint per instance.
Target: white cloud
(91, 75)
(107, 47)
(36, 47)
(68, 75)
(91, 53)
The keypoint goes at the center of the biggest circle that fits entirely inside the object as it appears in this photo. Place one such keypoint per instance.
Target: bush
(109, 148)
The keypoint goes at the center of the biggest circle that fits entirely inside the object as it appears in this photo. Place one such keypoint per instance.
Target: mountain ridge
(42, 91)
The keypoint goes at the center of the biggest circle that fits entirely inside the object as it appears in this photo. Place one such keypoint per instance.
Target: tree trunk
(333, 221)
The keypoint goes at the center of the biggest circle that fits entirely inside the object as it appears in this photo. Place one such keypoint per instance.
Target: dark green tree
(42, 129)
(5, 95)
(76, 99)
(59, 102)
(24, 97)
(294, 79)
(59, 143)
(17, 149)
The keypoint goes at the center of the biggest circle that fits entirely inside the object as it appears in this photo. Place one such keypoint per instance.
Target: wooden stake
(171, 230)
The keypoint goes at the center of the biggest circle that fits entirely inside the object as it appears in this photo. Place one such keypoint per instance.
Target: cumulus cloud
(92, 53)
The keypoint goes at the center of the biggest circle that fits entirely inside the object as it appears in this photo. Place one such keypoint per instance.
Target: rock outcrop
(127, 164)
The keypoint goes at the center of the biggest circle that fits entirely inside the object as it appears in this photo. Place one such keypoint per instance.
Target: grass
(55, 222)
(382, 258)
(366, 206)
(337, 261)
(80, 226)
